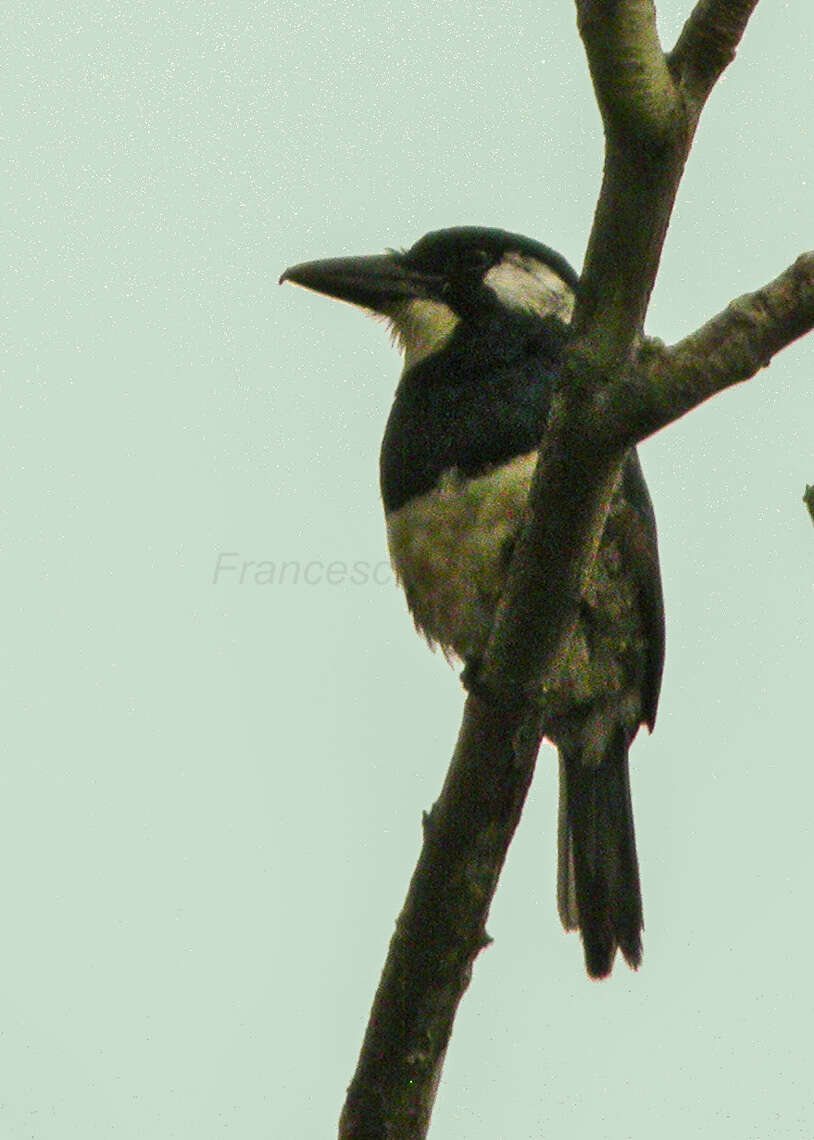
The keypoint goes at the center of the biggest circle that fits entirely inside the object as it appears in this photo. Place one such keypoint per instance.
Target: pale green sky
(212, 793)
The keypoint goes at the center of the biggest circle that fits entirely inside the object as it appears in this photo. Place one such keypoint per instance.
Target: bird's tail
(598, 888)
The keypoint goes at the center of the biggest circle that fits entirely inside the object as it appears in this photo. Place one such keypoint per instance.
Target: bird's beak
(379, 283)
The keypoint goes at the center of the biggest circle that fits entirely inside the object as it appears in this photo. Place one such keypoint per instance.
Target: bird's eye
(474, 260)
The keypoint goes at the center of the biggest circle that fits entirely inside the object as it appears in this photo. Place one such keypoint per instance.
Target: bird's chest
(451, 550)
(451, 547)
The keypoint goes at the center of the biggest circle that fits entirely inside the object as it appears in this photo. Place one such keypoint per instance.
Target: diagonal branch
(649, 125)
(647, 138)
(633, 84)
(442, 926)
(733, 346)
(708, 43)
(650, 107)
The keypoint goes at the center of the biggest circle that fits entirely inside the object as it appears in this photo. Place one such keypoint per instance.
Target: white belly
(449, 550)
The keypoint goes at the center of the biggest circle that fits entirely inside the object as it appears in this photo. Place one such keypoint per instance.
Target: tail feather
(598, 888)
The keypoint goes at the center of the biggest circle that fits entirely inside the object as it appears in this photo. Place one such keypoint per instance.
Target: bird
(482, 316)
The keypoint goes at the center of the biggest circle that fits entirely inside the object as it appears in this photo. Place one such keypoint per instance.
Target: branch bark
(615, 389)
(808, 499)
(650, 106)
(666, 383)
(708, 43)
(442, 926)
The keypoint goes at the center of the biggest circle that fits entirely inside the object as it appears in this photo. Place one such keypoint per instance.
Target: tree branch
(647, 138)
(666, 383)
(708, 43)
(579, 460)
(573, 483)
(633, 84)
(649, 126)
(650, 107)
(442, 927)
(808, 499)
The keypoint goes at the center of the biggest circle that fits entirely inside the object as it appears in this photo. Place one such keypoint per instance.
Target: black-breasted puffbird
(481, 316)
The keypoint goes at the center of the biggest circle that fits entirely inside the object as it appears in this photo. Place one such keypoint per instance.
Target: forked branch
(615, 389)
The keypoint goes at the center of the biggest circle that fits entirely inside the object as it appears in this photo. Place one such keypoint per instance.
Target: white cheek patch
(522, 282)
(421, 328)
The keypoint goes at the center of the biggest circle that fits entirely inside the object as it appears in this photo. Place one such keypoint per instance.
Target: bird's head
(447, 278)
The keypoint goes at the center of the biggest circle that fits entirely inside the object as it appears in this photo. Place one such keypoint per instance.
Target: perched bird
(481, 316)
